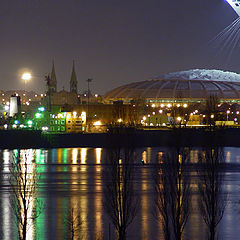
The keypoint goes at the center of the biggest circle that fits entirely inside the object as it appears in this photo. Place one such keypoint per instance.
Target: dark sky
(112, 41)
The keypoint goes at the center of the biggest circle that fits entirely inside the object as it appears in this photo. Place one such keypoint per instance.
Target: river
(73, 178)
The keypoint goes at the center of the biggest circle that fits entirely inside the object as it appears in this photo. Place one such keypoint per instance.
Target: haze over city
(113, 42)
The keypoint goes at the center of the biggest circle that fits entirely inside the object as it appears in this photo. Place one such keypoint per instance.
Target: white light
(5, 126)
(185, 105)
(178, 105)
(179, 119)
(44, 128)
(228, 111)
(162, 105)
(169, 105)
(212, 116)
(144, 118)
(120, 120)
(74, 114)
(153, 105)
(26, 76)
(6, 107)
(153, 113)
(96, 95)
(97, 123)
(160, 111)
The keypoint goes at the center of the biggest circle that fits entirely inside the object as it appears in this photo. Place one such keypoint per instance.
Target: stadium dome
(189, 85)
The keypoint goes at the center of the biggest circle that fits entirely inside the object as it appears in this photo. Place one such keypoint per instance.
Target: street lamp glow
(26, 76)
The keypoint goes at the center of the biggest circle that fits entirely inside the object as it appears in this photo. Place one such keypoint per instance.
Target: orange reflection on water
(98, 152)
(194, 156)
(144, 206)
(98, 202)
(59, 155)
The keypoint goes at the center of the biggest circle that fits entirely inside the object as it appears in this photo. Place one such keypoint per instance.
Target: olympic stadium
(184, 86)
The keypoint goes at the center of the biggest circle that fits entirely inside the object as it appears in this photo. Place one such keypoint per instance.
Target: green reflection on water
(64, 154)
(40, 221)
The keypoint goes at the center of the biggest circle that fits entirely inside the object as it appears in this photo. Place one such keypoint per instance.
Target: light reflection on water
(72, 178)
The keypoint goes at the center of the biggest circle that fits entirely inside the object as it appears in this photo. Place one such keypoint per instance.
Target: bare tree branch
(120, 202)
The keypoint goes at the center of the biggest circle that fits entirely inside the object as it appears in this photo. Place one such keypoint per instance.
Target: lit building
(184, 87)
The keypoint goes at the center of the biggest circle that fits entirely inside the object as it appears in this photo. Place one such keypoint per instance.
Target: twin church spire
(53, 80)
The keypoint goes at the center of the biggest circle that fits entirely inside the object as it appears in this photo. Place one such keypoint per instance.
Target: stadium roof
(192, 84)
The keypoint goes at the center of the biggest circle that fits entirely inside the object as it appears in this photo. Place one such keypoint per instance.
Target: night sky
(112, 41)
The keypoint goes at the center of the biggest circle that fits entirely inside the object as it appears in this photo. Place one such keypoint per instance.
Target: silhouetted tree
(74, 222)
(120, 202)
(23, 179)
(212, 201)
(211, 109)
(172, 191)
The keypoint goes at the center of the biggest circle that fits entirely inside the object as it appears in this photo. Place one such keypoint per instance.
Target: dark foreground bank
(11, 139)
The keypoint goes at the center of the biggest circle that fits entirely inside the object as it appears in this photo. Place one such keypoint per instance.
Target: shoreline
(23, 139)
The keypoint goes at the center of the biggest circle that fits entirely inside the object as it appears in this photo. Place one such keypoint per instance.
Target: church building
(62, 97)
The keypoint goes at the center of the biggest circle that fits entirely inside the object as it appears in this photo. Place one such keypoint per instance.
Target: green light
(30, 122)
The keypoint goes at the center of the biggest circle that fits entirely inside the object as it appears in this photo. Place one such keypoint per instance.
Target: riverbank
(11, 139)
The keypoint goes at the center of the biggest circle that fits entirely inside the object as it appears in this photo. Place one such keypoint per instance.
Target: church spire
(53, 79)
(73, 81)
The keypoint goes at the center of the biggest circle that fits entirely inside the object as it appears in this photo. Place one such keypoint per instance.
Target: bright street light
(26, 76)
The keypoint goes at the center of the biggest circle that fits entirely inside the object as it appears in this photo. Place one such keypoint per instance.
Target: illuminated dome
(194, 84)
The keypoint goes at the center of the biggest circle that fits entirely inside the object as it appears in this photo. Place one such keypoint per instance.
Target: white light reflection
(28, 168)
(83, 155)
(6, 161)
(74, 155)
(228, 156)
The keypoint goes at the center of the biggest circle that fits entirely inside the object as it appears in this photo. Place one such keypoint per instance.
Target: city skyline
(113, 42)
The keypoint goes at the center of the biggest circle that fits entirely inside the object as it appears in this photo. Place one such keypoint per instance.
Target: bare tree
(212, 201)
(172, 192)
(120, 202)
(211, 109)
(74, 222)
(23, 181)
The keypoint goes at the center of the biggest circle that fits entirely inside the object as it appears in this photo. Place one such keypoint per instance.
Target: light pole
(227, 114)
(88, 81)
(26, 77)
